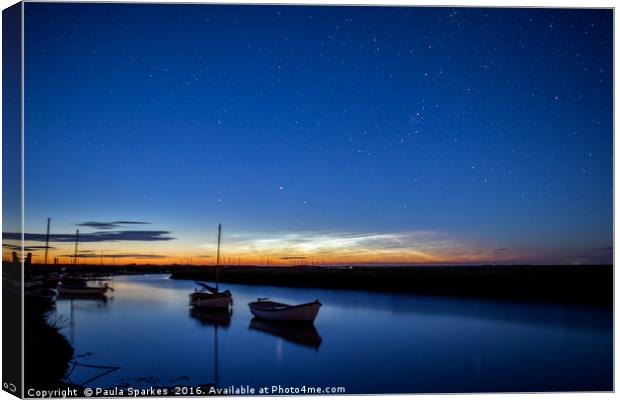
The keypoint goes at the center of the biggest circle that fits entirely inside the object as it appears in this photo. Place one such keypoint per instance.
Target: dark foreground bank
(566, 283)
(47, 352)
(580, 284)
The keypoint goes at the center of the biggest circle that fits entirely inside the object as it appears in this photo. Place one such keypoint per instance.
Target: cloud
(317, 242)
(103, 236)
(26, 248)
(293, 258)
(110, 225)
(125, 255)
(405, 246)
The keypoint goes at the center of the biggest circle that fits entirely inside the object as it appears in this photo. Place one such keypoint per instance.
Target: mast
(47, 239)
(217, 266)
(77, 239)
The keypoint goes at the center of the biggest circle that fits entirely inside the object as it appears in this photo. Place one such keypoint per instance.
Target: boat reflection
(96, 297)
(298, 333)
(211, 317)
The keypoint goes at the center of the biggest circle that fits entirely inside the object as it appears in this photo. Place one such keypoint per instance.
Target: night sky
(320, 134)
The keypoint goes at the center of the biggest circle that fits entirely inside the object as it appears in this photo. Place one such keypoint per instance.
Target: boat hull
(210, 300)
(301, 313)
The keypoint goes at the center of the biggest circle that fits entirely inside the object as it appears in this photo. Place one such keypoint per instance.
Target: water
(364, 342)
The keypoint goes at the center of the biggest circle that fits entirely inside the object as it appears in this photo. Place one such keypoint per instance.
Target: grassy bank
(47, 353)
(581, 284)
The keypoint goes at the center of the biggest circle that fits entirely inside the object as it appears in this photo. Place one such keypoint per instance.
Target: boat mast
(217, 267)
(77, 239)
(47, 239)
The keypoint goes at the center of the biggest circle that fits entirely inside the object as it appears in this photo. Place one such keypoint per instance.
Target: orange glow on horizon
(295, 248)
(265, 258)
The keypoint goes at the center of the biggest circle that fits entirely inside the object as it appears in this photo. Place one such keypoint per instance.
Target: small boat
(49, 281)
(204, 299)
(273, 311)
(209, 296)
(74, 281)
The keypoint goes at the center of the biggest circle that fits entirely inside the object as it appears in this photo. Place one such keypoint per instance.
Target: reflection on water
(97, 298)
(212, 317)
(366, 342)
(295, 332)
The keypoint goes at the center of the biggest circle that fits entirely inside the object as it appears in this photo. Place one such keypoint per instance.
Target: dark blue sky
(429, 134)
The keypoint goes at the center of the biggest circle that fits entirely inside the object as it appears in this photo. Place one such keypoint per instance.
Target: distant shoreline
(588, 284)
(574, 284)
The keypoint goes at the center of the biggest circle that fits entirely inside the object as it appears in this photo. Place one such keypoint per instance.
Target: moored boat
(209, 296)
(274, 311)
(48, 281)
(204, 299)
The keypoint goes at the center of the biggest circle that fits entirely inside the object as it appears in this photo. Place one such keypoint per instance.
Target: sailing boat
(209, 296)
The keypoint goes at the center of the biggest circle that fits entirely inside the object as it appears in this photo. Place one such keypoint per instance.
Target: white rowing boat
(274, 311)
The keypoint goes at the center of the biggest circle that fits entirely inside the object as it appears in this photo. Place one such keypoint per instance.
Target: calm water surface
(366, 342)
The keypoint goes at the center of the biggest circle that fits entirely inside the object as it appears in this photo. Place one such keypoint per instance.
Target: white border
(23, 205)
(468, 3)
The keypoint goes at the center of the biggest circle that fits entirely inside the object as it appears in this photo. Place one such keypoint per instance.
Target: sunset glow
(301, 248)
(353, 139)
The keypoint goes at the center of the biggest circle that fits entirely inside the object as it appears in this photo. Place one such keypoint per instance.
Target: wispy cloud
(409, 246)
(137, 256)
(26, 248)
(110, 225)
(104, 236)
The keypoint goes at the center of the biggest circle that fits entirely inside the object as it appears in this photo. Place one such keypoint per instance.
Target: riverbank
(592, 284)
(47, 352)
(578, 284)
